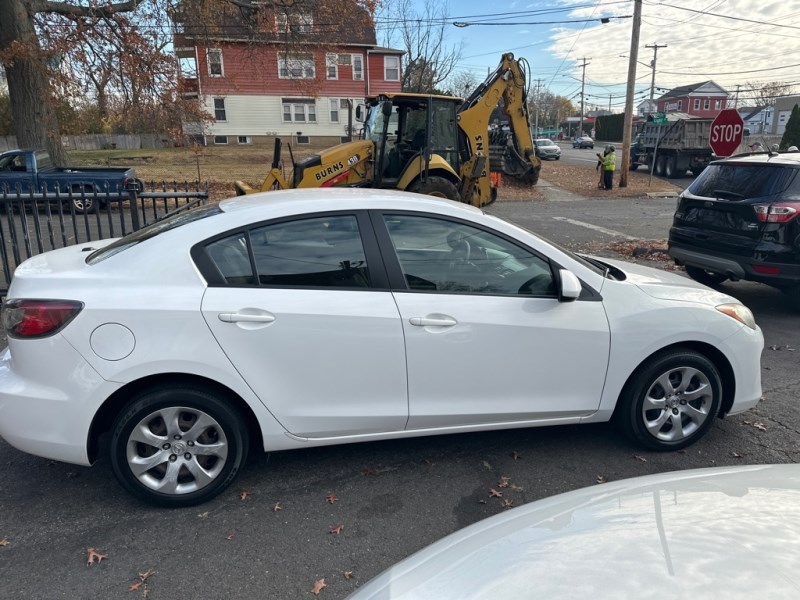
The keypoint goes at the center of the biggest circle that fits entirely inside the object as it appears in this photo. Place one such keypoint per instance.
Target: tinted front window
(451, 257)
(152, 230)
(317, 252)
(735, 181)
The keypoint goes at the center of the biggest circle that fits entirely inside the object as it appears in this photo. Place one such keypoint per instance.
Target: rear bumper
(50, 416)
(737, 267)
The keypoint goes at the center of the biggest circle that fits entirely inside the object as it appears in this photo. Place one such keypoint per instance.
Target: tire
(144, 445)
(85, 204)
(435, 186)
(669, 167)
(708, 278)
(671, 400)
(660, 165)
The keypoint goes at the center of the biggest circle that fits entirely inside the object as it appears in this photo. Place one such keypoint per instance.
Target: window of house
(358, 67)
(437, 255)
(296, 66)
(214, 59)
(219, 109)
(391, 68)
(294, 23)
(334, 110)
(680, 105)
(244, 139)
(717, 104)
(706, 104)
(221, 140)
(332, 66)
(696, 103)
(298, 110)
(345, 60)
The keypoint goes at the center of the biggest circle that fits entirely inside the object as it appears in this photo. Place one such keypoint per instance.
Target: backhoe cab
(436, 145)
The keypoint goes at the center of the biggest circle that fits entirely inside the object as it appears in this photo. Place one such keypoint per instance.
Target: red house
(268, 71)
(697, 100)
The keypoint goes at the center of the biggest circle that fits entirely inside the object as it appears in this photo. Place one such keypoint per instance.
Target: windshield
(544, 143)
(742, 180)
(152, 230)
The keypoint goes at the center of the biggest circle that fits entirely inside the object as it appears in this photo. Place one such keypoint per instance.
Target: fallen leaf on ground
(277, 507)
(317, 587)
(337, 530)
(348, 574)
(93, 556)
(640, 458)
(143, 577)
(487, 465)
(736, 455)
(503, 483)
(203, 515)
(244, 495)
(516, 488)
(601, 479)
(331, 498)
(229, 536)
(760, 426)
(135, 586)
(493, 493)
(369, 472)
(516, 455)
(5, 542)
(508, 503)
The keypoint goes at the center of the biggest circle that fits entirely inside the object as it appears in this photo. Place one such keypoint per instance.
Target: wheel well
(714, 355)
(114, 404)
(437, 173)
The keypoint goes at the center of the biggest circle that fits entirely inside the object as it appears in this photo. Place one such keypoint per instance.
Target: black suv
(740, 219)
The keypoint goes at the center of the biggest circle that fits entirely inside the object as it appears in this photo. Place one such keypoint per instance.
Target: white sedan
(314, 317)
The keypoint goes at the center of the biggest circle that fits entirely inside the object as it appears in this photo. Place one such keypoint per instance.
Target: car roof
(791, 159)
(322, 199)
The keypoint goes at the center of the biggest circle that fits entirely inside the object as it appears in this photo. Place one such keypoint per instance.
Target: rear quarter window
(743, 180)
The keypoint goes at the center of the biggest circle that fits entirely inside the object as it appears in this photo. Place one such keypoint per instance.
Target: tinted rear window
(743, 181)
(152, 230)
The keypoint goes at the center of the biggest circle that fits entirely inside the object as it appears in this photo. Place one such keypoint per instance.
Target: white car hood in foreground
(706, 533)
(669, 286)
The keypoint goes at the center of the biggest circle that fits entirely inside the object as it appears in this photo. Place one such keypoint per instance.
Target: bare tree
(461, 83)
(428, 59)
(764, 93)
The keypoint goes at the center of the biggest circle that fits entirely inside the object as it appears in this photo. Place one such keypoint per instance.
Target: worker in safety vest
(609, 159)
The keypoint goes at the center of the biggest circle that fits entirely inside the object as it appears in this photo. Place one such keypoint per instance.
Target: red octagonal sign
(726, 132)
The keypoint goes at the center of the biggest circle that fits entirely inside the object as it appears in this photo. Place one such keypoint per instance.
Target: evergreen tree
(791, 136)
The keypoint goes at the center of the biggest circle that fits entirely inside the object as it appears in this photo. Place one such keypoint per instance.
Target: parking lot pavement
(391, 498)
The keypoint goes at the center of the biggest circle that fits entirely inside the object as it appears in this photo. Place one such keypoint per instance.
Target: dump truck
(679, 145)
(429, 144)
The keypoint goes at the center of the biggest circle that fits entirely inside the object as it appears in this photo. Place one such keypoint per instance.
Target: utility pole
(626, 131)
(583, 79)
(655, 48)
(536, 100)
(609, 103)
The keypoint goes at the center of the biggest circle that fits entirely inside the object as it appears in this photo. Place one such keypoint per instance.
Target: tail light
(38, 318)
(780, 212)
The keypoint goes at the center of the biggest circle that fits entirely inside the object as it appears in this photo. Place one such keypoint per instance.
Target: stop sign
(726, 132)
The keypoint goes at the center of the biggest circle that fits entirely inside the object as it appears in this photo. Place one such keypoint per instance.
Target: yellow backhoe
(435, 145)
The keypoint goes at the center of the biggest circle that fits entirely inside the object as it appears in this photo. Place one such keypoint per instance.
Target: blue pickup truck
(33, 169)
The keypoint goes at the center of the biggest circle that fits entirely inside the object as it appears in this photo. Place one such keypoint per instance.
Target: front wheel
(671, 400)
(177, 446)
(708, 278)
(435, 186)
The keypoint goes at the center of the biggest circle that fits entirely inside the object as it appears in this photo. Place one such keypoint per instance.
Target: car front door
(303, 311)
(487, 339)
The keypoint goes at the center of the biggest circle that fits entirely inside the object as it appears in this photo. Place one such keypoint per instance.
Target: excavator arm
(506, 82)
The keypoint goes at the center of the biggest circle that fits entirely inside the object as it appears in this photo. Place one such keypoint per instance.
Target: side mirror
(361, 113)
(570, 288)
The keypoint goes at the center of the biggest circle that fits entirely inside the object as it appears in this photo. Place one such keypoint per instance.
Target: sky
(731, 42)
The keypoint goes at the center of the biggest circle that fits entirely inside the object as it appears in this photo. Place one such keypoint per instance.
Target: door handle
(433, 322)
(245, 318)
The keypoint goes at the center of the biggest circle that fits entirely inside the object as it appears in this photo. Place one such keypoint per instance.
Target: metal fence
(35, 222)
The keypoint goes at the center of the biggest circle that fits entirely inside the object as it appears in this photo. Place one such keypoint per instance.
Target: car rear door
(302, 309)
(722, 210)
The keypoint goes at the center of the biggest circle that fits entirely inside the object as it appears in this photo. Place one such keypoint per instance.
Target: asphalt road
(393, 498)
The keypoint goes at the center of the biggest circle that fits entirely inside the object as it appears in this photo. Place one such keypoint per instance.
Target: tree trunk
(34, 119)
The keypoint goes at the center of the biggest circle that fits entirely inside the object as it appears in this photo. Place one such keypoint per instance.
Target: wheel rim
(82, 205)
(677, 404)
(177, 450)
